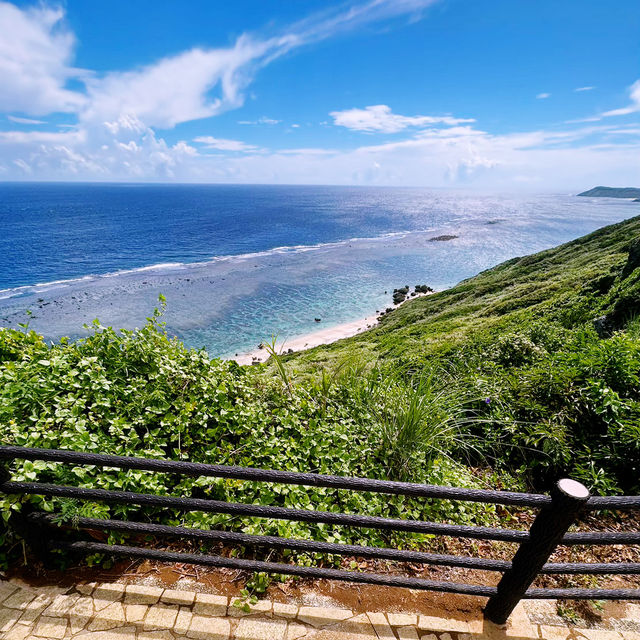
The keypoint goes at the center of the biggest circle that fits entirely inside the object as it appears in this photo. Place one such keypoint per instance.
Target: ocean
(239, 264)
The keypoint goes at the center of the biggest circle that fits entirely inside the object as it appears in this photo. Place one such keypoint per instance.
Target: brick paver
(114, 611)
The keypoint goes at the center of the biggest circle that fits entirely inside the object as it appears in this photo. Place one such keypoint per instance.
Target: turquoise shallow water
(238, 264)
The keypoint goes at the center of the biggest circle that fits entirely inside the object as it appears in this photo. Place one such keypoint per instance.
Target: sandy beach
(315, 338)
(310, 340)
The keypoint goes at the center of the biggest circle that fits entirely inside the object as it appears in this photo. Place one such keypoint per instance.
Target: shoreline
(309, 340)
(317, 338)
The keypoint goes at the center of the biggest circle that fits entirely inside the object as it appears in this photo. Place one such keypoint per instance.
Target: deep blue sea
(239, 264)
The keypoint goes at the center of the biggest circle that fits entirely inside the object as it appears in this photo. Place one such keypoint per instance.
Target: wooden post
(568, 498)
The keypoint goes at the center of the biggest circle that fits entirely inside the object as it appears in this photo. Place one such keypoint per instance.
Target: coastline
(310, 340)
(317, 338)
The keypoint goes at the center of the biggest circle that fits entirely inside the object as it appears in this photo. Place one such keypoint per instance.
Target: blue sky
(538, 95)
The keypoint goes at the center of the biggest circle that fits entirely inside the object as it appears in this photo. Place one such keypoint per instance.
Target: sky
(541, 96)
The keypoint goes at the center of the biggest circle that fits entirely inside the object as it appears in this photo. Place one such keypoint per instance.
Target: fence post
(567, 499)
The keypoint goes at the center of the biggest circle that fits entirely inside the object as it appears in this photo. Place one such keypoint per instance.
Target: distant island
(612, 192)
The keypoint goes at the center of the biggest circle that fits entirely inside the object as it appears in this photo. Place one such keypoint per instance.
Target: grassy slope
(566, 282)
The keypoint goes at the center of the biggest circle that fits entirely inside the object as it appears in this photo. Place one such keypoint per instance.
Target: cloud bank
(119, 116)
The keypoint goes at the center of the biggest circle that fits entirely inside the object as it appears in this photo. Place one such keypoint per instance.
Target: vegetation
(527, 372)
(612, 192)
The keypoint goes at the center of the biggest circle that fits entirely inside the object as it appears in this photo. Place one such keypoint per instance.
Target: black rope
(261, 511)
(277, 542)
(276, 567)
(285, 477)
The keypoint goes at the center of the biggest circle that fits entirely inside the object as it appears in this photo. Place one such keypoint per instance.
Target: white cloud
(262, 120)
(222, 144)
(178, 88)
(115, 137)
(543, 96)
(381, 118)
(35, 61)
(634, 107)
(579, 89)
(19, 120)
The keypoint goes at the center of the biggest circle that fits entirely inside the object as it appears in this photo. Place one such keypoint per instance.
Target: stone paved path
(114, 611)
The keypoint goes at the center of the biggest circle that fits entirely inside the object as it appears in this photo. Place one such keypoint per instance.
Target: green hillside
(569, 286)
(528, 372)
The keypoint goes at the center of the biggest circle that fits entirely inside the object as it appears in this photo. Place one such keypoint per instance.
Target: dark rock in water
(633, 261)
(261, 345)
(289, 350)
(442, 238)
(495, 221)
(318, 319)
(388, 310)
(423, 288)
(636, 200)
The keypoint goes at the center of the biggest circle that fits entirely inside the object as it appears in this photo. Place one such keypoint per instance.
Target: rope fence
(557, 512)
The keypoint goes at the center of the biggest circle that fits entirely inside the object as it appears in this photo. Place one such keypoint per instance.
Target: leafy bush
(142, 393)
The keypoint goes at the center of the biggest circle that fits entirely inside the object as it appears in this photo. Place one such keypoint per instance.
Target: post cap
(573, 489)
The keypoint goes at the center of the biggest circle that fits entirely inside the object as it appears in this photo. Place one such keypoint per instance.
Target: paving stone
(110, 591)
(61, 605)
(261, 629)
(52, 591)
(408, 633)
(86, 589)
(19, 599)
(402, 619)
(8, 617)
(518, 626)
(139, 594)
(323, 616)
(285, 610)
(211, 605)
(6, 589)
(207, 628)
(161, 616)
(476, 625)
(295, 630)
(632, 611)
(121, 633)
(381, 625)
(357, 628)
(598, 634)
(262, 607)
(552, 632)
(34, 609)
(429, 636)
(173, 596)
(80, 613)
(183, 621)
(155, 635)
(18, 632)
(108, 618)
(433, 623)
(135, 612)
(50, 628)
